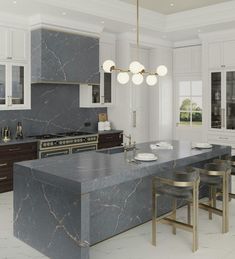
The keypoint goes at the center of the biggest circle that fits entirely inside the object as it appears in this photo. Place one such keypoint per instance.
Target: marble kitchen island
(63, 205)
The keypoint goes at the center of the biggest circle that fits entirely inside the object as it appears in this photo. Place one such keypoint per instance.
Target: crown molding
(200, 17)
(15, 21)
(187, 43)
(218, 35)
(48, 22)
(145, 40)
(112, 10)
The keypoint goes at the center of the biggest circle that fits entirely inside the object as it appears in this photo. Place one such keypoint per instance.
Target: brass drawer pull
(2, 165)
(3, 178)
(14, 149)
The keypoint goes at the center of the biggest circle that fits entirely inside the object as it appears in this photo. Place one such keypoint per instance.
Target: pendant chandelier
(136, 70)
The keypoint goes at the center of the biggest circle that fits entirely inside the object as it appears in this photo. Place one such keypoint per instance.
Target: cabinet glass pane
(216, 100)
(95, 94)
(17, 85)
(2, 84)
(230, 100)
(107, 87)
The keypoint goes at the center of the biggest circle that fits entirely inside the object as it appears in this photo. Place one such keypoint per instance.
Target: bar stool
(177, 185)
(231, 162)
(216, 176)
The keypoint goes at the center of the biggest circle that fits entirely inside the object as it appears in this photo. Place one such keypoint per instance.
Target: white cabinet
(14, 69)
(100, 95)
(221, 54)
(3, 42)
(14, 86)
(187, 60)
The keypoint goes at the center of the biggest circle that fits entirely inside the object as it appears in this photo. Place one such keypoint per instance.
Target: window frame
(191, 79)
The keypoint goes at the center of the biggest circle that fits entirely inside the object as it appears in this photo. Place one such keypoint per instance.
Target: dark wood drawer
(6, 186)
(6, 175)
(110, 140)
(18, 149)
(117, 137)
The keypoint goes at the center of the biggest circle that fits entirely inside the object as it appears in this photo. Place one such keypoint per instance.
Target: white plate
(202, 145)
(146, 157)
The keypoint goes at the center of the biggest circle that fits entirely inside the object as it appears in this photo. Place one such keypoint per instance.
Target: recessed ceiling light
(199, 30)
(172, 4)
(64, 13)
(14, 2)
(102, 22)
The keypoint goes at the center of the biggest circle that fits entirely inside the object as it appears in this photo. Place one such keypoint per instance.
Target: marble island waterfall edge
(61, 210)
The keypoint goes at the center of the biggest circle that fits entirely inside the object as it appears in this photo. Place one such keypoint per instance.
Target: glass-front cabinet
(14, 93)
(223, 100)
(97, 95)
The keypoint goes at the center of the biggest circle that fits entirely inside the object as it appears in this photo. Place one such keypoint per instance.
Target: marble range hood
(64, 58)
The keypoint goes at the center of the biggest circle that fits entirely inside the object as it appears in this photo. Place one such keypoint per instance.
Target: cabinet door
(96, 94)
(216, 100)
(182, 60)
(18, 84)
(2, 85)
(3, 43)
(215, 55)
(230, 100)
(18, 40)
(229, 53)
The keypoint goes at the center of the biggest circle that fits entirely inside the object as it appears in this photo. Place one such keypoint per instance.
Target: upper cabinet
(13, 44)
(14, 69)
(101, 94)
(62, 57)
(187, 60)
(221, 54)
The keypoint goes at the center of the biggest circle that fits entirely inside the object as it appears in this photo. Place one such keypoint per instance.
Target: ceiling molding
(42, 21)
(13, 20)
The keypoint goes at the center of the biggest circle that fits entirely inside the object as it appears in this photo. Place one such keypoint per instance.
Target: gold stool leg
(210, 201)
(154, 214)
(174, 215)
(189, 213)
(214, 190)
(225, 219)
(195, 217)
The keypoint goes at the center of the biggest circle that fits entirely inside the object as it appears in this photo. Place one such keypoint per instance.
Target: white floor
(136, 243)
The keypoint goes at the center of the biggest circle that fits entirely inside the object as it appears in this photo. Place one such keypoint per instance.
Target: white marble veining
(136, 243)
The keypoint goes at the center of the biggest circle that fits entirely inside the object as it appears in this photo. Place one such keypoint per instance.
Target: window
(190, 103)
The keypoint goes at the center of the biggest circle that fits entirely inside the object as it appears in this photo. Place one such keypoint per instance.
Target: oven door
(85, 148)
(52, 153)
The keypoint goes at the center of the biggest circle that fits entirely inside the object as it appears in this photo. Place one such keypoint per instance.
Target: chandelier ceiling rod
(136, 69)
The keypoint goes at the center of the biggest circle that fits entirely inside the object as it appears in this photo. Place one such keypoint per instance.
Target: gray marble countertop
(95, 170)
(17, 141)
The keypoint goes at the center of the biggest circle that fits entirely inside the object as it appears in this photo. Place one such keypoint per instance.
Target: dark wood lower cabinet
(110, 140)
(10, 154)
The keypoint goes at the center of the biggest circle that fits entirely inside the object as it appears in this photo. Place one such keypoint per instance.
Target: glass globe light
(162, 70)
(137, 79)
(151, 80)
(108, 65)
(123, 78)
(135, 67)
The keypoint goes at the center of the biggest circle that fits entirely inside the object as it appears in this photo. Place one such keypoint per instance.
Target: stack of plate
(202, 145)
(146, 157)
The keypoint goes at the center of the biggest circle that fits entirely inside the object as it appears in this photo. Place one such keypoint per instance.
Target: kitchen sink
(115, 150)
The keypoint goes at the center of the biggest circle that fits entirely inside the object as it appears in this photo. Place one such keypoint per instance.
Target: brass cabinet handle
(3, 178)
(2, 165)
(134, 119)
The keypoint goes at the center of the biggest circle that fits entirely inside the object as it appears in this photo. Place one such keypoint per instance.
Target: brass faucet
(130, 145)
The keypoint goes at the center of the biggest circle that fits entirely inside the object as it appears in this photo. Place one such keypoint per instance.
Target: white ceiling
(117, 16)
(164, 6)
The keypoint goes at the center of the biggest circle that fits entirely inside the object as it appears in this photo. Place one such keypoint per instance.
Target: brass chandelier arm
(128, 71)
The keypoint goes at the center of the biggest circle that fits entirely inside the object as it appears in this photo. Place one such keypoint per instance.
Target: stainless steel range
(50, 145)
